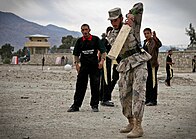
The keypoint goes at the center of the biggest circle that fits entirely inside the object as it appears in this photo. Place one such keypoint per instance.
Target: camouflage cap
(114, 13)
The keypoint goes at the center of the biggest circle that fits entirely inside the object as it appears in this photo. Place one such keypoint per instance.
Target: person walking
(152, 45)
(132, 69)
(87, 65)
(169, 69)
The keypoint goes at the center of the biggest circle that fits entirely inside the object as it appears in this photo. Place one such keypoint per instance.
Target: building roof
(37, 36)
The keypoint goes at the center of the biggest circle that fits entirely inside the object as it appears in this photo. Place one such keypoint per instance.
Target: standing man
(87, 65)
(169, 69)
(132, 69)
(108, 86)
(152, 45)
(62, 60)
(66, 60)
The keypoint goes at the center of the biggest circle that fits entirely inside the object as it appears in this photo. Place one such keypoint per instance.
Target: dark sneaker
(151, 104)
(73, 109)
(107, 103)
(95, 109)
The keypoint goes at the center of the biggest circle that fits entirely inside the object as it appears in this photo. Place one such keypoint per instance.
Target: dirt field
(33, 105)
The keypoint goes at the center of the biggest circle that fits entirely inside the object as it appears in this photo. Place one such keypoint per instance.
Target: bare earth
(33, 105)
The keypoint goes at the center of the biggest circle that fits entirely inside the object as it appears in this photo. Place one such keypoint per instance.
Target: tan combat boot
(137, 130)
(129, 127)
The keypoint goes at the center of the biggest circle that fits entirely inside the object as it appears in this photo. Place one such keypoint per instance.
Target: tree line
(7, 50)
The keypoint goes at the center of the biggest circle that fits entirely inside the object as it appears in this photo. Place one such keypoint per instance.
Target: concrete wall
(50, 59)
(183, 60)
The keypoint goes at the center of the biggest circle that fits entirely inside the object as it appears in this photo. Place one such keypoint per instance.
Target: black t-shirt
(87, 50)
(106, 44)
(168, 59)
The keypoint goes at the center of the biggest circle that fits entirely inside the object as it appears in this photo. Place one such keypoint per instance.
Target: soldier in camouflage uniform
(132, 69)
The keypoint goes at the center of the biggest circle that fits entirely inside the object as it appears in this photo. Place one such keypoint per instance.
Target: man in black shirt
(169, 69)
(87, 64)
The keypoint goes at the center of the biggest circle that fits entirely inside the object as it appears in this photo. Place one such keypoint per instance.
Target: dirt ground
(33, 105)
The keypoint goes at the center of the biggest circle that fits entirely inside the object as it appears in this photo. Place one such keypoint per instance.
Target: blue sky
(168, 18)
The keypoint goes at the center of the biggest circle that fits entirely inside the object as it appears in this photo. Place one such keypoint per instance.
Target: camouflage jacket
(131, 42)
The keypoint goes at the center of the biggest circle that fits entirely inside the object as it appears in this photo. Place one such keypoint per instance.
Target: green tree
(6, 52)
(67, 42)
(53, 49)
(21, 52)
(191, 33)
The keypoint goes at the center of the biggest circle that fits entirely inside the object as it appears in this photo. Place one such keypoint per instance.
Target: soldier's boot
(129, 127)
(137, 130)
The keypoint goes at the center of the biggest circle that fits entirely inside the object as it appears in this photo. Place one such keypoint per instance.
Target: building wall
(38, 39)
(37, 44)
(183, 60)
(50, 59)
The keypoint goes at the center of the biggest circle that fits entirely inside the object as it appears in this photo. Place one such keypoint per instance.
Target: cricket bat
(119, 42)
(105, 72)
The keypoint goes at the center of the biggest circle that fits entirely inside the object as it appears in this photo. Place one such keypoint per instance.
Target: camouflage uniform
(132, 69)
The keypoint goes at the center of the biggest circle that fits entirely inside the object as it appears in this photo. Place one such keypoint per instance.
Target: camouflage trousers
(132, 88)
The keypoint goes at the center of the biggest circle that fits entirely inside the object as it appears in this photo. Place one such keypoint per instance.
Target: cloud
(168, 17)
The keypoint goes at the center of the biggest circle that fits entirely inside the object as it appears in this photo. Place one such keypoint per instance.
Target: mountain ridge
(14, 29)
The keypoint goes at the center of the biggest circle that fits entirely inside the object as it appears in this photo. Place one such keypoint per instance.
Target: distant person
(194, 63)
(169, 69)
(43, 61)
(66, 60)
(87, 65)
(108, 86)
(152, 45)
(62, 60)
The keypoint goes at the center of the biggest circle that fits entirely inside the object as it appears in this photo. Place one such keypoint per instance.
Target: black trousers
(169, 76)
(151, 92)
(115, 77)
(86, 71)
(106, 89)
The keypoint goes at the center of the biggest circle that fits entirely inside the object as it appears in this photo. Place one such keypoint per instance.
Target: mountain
(14, 29)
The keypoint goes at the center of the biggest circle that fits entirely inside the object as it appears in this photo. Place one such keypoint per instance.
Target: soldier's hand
(130, 19)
